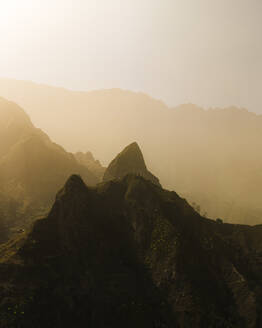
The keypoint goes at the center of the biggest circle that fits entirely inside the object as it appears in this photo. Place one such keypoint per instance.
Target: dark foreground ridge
(129, 254)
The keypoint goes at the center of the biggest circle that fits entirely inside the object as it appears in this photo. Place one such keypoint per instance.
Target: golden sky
(207, 52)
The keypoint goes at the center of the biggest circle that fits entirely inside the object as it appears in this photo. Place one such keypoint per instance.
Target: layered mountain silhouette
(130, 160)
(128, 253)
(91, 163)
(31, 161)
(210, 156)
(32, 167)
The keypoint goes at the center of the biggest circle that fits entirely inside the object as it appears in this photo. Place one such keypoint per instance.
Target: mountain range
(210, 157)
(128, 253)
(33, 168)
(112, 248)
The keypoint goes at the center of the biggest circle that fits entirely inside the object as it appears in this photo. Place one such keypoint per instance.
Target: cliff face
(130, 160)
(128, 253)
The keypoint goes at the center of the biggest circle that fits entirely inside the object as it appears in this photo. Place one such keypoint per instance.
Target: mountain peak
(129, 160)
(13, 112)
(75, 182)
(133, 145)
(72, 192)
(14, 125)
(133, 150)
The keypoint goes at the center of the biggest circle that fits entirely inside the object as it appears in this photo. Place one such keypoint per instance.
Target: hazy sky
(207, 52)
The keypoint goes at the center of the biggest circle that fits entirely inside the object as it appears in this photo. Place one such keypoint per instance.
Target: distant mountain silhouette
(130, 160)
(130, 254)
(210, 156)
(91, 163)
(14, 125)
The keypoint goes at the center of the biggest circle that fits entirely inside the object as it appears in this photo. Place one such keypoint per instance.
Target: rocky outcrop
(130, 160)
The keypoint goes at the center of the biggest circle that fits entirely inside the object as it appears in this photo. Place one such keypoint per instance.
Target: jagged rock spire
(130, 160)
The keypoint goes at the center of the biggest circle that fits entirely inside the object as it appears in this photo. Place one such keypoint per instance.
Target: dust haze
(130, 164)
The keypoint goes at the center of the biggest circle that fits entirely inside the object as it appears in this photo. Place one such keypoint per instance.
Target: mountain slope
(32, 162)
(14, 125)
(94, 166)
(130, 160)
(32, 167)
(210, 156)
(128, 253)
